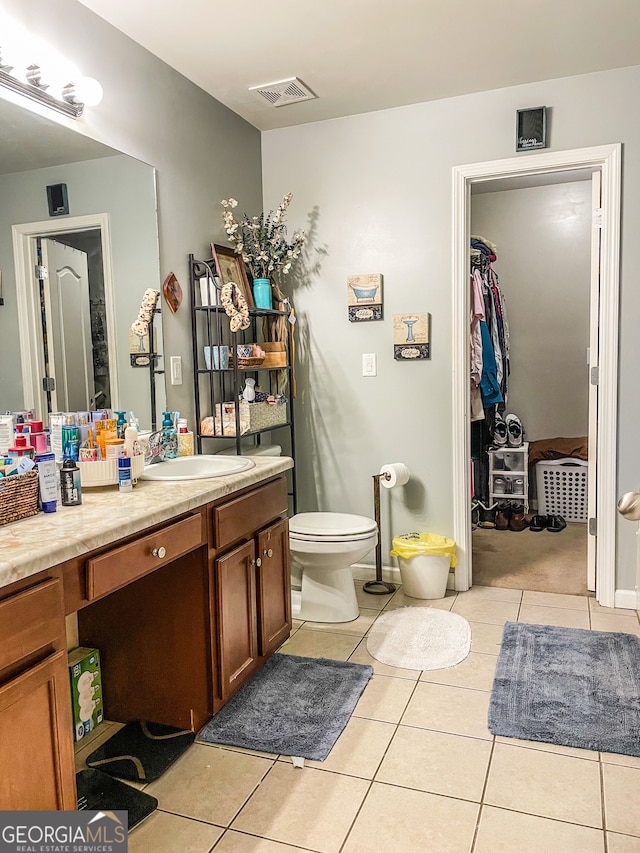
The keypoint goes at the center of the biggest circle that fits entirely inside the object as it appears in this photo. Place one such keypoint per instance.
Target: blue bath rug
(292, 706)
(568, 686)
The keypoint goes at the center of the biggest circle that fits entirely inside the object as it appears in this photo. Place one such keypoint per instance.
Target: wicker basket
(18, 496)
(253, 361)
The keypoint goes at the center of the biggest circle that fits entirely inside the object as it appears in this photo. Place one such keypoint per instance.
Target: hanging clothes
(489, 345)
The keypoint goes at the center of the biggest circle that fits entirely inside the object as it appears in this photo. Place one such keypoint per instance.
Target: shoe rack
(509, 474)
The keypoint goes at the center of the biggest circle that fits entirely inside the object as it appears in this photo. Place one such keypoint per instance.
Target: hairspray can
(70, 488)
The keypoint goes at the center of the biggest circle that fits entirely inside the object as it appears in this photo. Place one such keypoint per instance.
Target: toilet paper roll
(398, 475)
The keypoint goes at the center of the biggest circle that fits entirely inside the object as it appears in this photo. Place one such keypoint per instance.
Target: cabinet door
(36, 746)
(274, 587)
(235, 616)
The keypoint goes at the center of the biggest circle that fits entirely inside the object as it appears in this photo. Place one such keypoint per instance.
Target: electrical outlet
(176, 370)
(369, 366)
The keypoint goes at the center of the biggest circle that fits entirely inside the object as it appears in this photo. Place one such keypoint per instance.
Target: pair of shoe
(552, 523)
(507, 432)
(511, 517)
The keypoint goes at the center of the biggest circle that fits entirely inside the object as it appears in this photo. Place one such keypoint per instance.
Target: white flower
(262, 240)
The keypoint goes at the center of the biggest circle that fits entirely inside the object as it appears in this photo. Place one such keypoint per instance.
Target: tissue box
(86, 690)
(253, 417)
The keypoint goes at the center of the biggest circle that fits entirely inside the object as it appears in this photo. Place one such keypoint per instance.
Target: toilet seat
(330, 526)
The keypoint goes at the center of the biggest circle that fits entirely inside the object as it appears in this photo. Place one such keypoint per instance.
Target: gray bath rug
(293, 706)
(419, 638)
(568, 686)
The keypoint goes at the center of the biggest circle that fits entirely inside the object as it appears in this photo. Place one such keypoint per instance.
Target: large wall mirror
(66, 339)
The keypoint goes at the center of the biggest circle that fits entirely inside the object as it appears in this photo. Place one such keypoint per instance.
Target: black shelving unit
(215, 386)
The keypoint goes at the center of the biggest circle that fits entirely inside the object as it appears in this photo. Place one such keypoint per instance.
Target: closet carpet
(543, 562)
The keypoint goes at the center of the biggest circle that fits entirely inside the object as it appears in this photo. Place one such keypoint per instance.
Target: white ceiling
(364, 55)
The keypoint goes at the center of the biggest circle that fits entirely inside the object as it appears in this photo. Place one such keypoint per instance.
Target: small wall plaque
(531, 128)
(411, 337)
(364, 297)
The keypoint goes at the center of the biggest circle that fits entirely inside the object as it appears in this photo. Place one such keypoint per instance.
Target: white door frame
(606, 158)
(29, 321)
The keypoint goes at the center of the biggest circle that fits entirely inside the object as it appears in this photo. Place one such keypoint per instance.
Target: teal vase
(262, 293)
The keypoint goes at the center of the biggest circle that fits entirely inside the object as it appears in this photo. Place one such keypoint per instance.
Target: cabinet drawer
(30, 620)
(242, 517)
(122, 565)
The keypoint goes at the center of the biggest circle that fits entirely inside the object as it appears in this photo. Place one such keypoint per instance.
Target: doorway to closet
(529, 437)
(605, 160)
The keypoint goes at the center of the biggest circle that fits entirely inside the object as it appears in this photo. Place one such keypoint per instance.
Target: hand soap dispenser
(169, 436)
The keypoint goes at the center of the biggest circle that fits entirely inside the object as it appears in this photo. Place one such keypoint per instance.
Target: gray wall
(125, 189)
(543, 237)
(379, 187)
(202, 151)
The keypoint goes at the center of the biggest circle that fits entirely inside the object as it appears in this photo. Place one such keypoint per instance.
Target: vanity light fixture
(73, 98)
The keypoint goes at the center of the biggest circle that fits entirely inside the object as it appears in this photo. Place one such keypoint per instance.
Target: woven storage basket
(18, 496)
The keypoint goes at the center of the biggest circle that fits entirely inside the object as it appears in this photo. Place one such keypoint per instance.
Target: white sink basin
(196, 467)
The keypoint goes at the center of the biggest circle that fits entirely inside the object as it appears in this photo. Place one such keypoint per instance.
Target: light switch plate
(369, 364)
(176, 370)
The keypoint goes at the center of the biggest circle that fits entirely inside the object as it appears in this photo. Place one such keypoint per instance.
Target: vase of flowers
(262, 241)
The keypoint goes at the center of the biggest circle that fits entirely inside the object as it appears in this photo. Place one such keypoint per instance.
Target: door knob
(268, 553)
(160, 553)
(258, 562)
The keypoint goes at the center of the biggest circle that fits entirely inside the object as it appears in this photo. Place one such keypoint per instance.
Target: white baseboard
(364, 572)
(391, 574)
(627, 599)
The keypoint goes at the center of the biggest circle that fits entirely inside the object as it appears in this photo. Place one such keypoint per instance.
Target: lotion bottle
(185, 438)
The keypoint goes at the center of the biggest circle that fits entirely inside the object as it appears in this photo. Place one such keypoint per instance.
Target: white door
(68, 324)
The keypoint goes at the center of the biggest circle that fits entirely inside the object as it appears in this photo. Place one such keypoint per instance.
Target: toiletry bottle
(131, 441)
(121, 423)
(55, 427)
(185, 438)
(47, 481)
(125, 482)
(169, 436)
(70, 441)
(21, 448)
(70, 488)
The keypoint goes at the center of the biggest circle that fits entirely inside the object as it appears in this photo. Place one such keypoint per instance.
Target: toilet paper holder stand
(378, 586)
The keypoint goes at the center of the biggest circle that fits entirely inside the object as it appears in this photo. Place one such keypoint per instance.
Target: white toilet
(324, 546)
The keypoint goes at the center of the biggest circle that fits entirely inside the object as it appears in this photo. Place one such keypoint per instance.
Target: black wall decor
(531, 128)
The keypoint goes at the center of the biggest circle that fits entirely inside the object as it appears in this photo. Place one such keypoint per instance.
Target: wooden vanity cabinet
(35, 706)
(250, 582)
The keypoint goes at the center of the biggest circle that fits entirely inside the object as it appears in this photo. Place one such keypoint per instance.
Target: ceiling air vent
(284, 92)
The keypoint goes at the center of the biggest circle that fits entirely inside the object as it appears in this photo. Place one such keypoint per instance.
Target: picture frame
(231, 267)
(412, 336)
(364, 297)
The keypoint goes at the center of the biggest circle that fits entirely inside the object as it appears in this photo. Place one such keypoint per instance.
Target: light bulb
(85, 91)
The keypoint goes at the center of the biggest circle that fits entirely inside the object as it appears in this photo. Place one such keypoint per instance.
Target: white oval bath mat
(419, 638)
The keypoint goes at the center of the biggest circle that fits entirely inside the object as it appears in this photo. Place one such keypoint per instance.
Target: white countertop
(106, 515)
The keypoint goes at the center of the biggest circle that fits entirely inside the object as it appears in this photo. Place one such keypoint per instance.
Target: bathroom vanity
(184, 587)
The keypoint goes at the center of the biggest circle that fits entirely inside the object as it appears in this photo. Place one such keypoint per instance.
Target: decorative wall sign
(364, 297)
(139, 351)
(531, 128)
(411, 337)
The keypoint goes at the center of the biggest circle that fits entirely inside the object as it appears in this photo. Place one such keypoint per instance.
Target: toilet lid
(331, 525)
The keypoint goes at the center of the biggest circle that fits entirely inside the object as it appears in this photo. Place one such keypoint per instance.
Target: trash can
(424, 560)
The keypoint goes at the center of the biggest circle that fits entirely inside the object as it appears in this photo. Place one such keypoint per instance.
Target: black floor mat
(141, 751)
(99, 792)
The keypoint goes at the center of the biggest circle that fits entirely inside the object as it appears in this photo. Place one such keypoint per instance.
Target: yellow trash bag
(431, 544)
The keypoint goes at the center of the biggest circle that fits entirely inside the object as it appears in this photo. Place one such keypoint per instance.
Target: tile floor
(416, 768)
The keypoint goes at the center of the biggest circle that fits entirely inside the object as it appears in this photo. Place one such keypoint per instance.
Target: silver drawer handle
(160, 552)
(268, 553)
